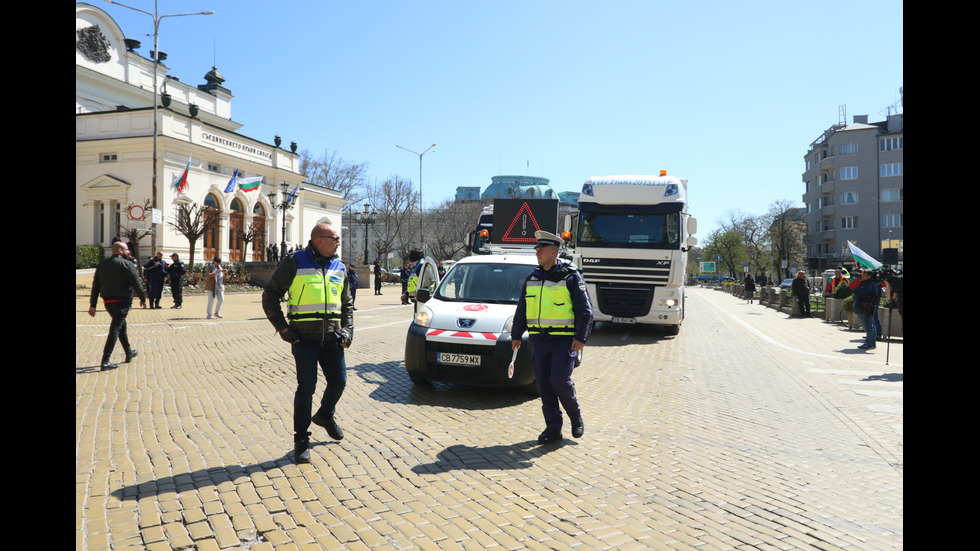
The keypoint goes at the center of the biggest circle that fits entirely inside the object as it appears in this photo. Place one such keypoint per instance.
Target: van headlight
(508, 325)
(423, 317)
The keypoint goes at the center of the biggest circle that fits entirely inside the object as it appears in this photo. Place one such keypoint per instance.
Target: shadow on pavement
(511, 456)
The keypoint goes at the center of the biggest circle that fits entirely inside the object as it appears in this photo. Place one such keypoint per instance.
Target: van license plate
(624, 320)
(457, 359)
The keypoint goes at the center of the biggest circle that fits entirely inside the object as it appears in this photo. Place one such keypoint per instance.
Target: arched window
(236, 227)
(212, 210)
(258, 226)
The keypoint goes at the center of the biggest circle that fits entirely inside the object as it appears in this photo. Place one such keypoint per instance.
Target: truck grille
(627, 302)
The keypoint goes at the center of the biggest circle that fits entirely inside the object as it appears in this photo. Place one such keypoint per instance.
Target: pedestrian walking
(214, 286)
(116, 279)
(377, 277)
(320, 327)
(749, 288)
(556, 311)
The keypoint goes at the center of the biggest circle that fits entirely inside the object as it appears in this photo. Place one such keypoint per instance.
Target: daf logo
(590, 260)
(464, 323)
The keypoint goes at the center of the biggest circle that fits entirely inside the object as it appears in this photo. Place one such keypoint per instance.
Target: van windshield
(493, 283)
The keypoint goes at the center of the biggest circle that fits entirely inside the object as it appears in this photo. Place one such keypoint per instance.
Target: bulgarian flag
(180, 181)
(249, 184)
(862, 258)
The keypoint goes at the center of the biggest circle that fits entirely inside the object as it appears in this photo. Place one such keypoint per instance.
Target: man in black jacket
(176, 270)
(801, 290)
(115, 280)
(320, 327)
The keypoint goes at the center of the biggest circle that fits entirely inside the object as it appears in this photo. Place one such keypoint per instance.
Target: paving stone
(748, 430)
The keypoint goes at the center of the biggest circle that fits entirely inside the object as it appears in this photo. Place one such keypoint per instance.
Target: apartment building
(854, 180)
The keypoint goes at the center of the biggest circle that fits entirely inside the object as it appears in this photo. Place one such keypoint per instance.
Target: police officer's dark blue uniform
(557, 313)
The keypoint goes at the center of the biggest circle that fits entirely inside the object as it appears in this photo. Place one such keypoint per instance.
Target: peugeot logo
(464, 323)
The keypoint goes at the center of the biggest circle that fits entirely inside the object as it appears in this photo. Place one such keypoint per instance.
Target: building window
(849, 223)
(108, 157)
(891, 144)
(892, 169)
(849, 148)
(849, 198)
(848, 173)
(214, 168)
(892, 220)
(892, 195)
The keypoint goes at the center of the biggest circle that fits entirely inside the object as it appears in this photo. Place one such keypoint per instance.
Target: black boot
(131, 354)
(301, 450)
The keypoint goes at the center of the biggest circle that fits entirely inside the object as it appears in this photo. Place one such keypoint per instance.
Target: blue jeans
(867, 321)
(330, 356)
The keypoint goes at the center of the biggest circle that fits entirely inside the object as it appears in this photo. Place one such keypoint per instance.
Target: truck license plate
(624, 320)
(457, 359)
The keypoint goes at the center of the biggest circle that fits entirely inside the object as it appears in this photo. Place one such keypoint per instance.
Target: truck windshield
(479, 282)
(630, 226)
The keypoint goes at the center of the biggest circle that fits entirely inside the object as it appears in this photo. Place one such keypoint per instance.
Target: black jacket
(115, 279)
(322, 330)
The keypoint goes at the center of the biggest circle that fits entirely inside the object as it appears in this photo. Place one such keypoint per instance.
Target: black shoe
(328, 423)
(578, 427)
(301, 451)
(106, 366)
(131, 354)
(549, 436)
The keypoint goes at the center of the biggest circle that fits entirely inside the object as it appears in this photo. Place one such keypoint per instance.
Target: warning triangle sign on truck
(523, 217)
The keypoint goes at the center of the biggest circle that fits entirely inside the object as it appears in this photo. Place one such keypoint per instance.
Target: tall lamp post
(156, 61)
(288, 201)
(421, 234)
(367, 218)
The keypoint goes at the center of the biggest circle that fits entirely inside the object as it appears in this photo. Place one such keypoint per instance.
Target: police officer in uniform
(555, 309)
(320, 328)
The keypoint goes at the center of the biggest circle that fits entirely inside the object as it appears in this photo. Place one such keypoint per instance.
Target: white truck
(633, 236)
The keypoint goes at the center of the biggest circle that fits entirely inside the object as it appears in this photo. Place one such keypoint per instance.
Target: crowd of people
(866, 285)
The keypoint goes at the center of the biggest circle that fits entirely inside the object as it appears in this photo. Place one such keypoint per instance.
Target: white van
(461, 330)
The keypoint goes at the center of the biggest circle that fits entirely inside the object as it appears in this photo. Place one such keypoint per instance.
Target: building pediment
(106, 187)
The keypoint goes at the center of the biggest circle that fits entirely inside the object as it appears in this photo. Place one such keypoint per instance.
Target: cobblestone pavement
(749, 430)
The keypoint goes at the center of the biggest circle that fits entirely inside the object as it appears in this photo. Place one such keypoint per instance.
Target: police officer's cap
(547, 239)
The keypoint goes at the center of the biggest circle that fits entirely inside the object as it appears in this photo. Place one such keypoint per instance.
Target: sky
(726, 94)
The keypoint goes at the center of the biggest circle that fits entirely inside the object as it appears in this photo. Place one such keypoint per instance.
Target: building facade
(116, 157)
(854, 180)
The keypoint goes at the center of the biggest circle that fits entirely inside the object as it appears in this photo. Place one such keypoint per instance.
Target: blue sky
(726, 94)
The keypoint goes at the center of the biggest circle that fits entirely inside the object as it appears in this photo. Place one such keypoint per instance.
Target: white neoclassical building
(114, 155)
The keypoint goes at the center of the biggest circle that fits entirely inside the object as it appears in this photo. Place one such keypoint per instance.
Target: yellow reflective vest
(315, 293)
(549, 307)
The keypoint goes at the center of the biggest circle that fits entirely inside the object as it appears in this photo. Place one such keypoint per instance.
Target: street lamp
(367, 218)
(288, 201)
(156, 60)
(421, 235)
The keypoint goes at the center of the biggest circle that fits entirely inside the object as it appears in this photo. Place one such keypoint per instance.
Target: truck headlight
(669, 302)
